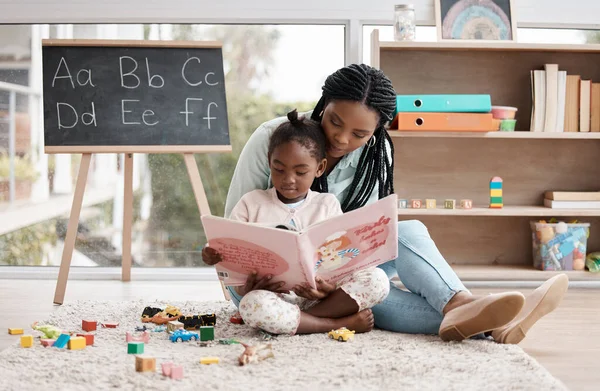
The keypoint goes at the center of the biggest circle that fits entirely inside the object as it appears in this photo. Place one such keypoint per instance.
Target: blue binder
(457, 103)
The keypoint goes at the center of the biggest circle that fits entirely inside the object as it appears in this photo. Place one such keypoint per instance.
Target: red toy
(89, 325)
(89, 338)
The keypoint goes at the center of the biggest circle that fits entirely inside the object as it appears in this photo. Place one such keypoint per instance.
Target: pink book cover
(331, 249)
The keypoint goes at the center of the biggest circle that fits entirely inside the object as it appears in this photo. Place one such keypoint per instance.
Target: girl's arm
(252, 168)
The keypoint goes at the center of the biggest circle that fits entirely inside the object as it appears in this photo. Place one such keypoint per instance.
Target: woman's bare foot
(361, 322)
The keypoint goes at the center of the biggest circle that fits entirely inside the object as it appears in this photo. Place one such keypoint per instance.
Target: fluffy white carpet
(374, 361)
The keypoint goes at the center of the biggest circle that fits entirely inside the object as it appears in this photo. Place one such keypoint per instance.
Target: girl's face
(348, 126)
(293, 171)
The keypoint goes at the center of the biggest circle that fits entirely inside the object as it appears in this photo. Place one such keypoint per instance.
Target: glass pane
(267, 74)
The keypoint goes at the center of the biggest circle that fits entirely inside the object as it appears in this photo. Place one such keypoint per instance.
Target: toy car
(341, 334)
(183, 335)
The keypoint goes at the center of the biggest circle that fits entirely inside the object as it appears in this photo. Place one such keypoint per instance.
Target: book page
(246, 247)
(357, 240)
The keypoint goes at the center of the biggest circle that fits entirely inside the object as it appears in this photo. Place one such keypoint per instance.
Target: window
(268, 72)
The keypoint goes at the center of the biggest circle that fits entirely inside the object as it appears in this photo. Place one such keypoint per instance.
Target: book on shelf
(562, 102)
(571, 204)
(572, 195)
(331, 249)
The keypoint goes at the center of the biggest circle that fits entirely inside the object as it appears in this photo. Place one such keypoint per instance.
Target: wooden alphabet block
(15, 331)
(449, 204)
(430, 203)
(207, 333)
(89, 338)
(26, 341)
(135, 347)
(416, 204)
(145, 363)
(174, 325)
(402, 204)
(209, 360)
(89, 325)
(466, 204)
(77, 343)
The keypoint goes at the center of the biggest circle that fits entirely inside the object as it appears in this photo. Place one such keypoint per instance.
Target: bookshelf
(442, 165)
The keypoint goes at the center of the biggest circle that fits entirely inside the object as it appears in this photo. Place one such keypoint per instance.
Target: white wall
(530, 13)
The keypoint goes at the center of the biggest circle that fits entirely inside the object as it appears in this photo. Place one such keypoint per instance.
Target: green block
(207, 333)
(495, 200)
(135, 348)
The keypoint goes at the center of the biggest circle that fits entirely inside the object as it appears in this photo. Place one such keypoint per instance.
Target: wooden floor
(566, 342)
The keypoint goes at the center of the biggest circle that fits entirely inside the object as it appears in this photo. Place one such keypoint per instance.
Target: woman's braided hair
(369, 86)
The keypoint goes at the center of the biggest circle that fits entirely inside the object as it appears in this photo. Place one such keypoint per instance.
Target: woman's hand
(323, 290)
(210, 256)
(264, 283)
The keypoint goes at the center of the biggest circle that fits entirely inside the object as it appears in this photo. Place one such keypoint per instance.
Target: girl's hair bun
(293, 117)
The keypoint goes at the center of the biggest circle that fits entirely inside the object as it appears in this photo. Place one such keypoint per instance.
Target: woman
(357, 102)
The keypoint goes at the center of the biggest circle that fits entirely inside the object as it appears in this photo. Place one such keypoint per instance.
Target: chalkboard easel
(132, 97)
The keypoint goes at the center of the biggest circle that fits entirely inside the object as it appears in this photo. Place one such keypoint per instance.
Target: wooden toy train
(190, 322)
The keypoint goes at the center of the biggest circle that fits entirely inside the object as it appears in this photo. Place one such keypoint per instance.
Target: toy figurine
(50, 332)
(255, 353)
(170, 313)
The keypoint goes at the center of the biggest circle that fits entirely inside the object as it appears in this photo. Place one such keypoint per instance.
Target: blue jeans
(428, 277)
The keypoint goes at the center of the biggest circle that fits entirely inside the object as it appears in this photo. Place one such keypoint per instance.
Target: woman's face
(348, 126)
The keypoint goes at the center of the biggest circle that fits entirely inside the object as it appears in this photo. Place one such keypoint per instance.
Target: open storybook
(331, 249)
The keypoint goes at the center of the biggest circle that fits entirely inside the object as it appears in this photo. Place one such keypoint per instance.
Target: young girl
(297, 156)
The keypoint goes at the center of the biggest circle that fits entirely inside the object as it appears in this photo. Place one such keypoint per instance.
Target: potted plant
(25, 175)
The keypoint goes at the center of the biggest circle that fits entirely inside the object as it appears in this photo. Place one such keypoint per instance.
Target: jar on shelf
(404, 22)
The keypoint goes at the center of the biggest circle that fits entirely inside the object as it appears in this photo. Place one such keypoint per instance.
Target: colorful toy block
(177, 372)
(174, 325)
(496, 192)
(145, 363)
(402, 204)
(209, 360)
(236, 318)
(135, 348)
(15, 331)
(145, 337)
(26, 341)
(166, 368)
(62, 341)
(77, 343)
(47, 342)
(89, 325)
(110, 325)
(466, 204)
(89, 338)
(416, 204)
(207, 333)
(430, 203)
(449, 204)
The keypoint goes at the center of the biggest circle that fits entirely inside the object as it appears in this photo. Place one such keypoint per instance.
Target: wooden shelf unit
(442, 165)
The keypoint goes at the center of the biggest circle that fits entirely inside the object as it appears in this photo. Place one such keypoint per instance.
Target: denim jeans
(430, 281)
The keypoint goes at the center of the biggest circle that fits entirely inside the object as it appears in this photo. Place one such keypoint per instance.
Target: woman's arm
(252, 168)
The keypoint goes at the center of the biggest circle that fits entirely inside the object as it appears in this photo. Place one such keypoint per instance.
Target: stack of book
(562, 102)
(444, 113)
(572, 199)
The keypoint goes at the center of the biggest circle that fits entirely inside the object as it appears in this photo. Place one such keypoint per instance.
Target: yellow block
(430, 203)
(27, 341)
(15, 331)
(496, 193)
(209, 360)
(77, 343)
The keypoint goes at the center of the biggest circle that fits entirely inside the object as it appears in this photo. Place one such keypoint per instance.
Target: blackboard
(134, 96)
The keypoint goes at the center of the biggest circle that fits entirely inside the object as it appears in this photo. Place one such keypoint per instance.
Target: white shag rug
(377, 360)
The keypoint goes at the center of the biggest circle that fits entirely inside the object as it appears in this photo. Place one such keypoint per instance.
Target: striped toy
(496, 192)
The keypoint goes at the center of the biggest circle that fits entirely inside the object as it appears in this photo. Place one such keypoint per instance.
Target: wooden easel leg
(65, 264)
(127, 218)
(200, 195)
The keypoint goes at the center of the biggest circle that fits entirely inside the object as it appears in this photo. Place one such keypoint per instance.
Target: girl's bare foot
(360, 322)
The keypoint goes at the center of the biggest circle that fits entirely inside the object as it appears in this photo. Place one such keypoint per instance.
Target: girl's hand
(264, 283)
(210, 256)
(323, 290)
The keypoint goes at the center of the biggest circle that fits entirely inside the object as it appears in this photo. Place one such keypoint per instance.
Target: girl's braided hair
(369, 86)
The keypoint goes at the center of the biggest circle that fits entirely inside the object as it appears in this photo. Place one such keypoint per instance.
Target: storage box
(559, 246)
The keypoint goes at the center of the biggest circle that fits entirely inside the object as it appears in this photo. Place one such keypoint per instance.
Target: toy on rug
(159, 329)
(228, 341)
(89, 325)
(77, 343)
(110, 325)
(135, 347)
(143, 328)
(171, 370)
(255, 353)
(183, 335)
(207, 333)
(26, 341)
(266, 336)
(145, 363)
(342, 334)
(89, 338)
(174, 325)
(162, 317)
(49, 331)
(209, 360)
(194, 322)
(15, 331)
(236, 318)
(145, 337)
